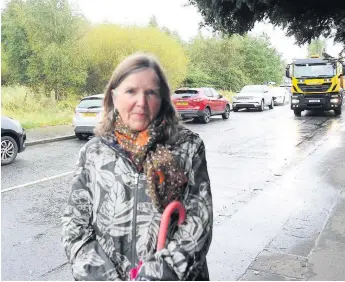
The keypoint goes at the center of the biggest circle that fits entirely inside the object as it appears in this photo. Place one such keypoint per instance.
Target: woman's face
(138, 99)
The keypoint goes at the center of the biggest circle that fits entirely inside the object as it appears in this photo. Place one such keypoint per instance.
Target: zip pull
(136, 179)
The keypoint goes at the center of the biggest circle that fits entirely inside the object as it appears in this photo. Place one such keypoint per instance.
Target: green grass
(35, 110)
(227, 94)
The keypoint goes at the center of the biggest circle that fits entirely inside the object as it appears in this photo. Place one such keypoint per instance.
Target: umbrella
(163, 229)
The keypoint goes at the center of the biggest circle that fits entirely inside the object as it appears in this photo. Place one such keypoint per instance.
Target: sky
(176, 16)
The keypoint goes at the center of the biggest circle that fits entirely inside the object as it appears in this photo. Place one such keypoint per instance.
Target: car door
(219, 103)
(210, 99)
(267, 95)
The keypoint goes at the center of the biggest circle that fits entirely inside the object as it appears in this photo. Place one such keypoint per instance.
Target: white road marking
(37, 181)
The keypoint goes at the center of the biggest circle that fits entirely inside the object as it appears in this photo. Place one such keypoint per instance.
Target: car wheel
(9, 150)
(207, 115)
(235, 110)
(297, 113)
(337, 112)
(82, 136)
(226, 113)
(262, 106)
(272, 105)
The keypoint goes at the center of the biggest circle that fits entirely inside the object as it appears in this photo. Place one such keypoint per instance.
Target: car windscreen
(91, 103)
(252, 89)
(185, 93)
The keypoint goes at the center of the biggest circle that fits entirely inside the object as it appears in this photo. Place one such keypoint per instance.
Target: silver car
(253, 97)
(87, 115)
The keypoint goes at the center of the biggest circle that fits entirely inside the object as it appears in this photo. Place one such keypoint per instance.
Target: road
(276, 179)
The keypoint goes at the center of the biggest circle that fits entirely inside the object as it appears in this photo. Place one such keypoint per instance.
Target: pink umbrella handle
(163, 229)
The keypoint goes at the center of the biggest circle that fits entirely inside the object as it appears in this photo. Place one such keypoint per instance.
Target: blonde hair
(132, 64)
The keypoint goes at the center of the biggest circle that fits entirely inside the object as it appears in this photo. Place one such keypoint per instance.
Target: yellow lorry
(316, 84)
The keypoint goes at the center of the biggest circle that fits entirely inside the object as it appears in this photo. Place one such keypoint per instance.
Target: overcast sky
(185, 20)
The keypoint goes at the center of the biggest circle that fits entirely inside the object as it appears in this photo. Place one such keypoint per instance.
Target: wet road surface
(275, 180)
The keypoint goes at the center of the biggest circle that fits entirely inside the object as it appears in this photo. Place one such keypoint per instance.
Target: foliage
(107, 45)
(231, 62)
(316, 47)
(304, 19)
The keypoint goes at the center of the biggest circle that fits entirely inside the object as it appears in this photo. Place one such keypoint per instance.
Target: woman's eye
(130, 91)
(151, 92)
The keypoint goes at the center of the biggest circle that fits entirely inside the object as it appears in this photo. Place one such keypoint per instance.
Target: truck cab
(316, 84)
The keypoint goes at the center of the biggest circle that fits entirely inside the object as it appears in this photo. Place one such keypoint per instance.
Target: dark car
(13, 139)
(200, 103)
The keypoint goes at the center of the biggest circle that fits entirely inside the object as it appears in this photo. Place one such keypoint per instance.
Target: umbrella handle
(163, 228)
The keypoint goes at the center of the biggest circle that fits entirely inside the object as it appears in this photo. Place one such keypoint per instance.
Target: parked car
(280, 95)
(87, 114)
(253, 96)
(200, 103)
(13, 139)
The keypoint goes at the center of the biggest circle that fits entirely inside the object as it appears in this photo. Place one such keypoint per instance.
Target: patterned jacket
(110, 223)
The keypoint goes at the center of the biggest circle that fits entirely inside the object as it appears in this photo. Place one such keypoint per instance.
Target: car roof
(93, 96)
(188, 88)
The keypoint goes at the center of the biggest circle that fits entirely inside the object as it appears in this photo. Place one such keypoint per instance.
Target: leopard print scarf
(165, 178)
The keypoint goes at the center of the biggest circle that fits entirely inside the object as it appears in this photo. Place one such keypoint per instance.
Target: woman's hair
(132, 64)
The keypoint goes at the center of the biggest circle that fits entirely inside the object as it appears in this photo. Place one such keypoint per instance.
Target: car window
(91, 103)
(214, 93)
(208, 92)
(185, 93)
(254, 88)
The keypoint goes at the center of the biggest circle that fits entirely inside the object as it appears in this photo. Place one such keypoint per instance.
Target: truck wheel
(297, 113)
(337, 112)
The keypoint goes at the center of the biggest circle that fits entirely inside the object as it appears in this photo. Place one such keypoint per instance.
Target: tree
(153, 21)
(106, 45)
(231, 62)
(305, 19)
(40, 41)
(316, 47)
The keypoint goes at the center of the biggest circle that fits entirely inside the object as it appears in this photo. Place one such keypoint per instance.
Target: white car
(87, 115)
(253, 96)
(281, 96)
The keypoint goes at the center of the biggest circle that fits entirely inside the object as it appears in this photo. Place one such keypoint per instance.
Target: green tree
(106, 45)
(44, 35)
(316, 47)
(310, 20)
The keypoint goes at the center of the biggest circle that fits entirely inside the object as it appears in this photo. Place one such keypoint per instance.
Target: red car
(200, 103)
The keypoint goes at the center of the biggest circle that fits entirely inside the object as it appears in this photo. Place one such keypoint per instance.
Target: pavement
(310, 240)
(48, 134)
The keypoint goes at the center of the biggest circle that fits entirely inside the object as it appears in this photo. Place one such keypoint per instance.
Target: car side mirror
(220, 96)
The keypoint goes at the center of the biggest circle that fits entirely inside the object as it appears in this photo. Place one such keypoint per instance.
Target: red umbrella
(163, 229)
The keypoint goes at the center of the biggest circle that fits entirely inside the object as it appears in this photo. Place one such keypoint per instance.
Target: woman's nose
(141, 99)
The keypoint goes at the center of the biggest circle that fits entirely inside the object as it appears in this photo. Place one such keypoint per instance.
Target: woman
(140, 160)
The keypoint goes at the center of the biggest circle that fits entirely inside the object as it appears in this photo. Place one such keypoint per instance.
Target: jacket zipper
(134, 222)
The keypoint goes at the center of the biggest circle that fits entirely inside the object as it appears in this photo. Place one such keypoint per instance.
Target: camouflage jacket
(110, 223)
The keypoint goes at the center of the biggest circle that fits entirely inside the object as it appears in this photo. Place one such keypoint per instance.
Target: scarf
(165, 178)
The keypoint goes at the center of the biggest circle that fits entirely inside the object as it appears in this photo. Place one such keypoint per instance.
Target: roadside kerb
(49, 140)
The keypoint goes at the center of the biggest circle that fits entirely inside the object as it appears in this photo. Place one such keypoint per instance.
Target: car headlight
(295, 101)
(335, 100)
